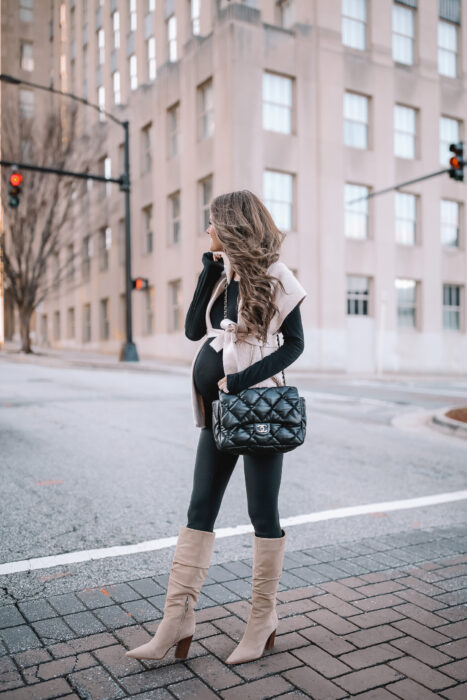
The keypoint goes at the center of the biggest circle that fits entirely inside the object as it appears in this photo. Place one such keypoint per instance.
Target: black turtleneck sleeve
(291, 348)
(195, 321)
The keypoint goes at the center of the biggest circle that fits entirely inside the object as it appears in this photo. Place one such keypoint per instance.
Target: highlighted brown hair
(252, 243)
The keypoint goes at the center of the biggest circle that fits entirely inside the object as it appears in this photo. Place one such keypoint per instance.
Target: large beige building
(311, 104)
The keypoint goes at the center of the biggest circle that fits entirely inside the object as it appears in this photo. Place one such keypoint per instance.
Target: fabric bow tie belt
(226, 338)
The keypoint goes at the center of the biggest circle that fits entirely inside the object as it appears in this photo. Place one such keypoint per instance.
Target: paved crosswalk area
(376, 618)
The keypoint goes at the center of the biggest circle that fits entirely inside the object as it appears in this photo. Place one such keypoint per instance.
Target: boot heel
(270, 642)
(183, 646)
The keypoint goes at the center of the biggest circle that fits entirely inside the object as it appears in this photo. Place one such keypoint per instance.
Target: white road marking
(152, 545)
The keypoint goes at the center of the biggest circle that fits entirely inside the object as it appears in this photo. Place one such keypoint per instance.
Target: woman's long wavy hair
(252, 243)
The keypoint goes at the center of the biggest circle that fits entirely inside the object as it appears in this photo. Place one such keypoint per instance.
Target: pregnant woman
(244, 280)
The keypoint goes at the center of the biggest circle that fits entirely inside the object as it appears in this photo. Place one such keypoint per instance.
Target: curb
(449, 426)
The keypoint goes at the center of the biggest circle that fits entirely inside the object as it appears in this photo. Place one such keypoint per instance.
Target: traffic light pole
(128, 352)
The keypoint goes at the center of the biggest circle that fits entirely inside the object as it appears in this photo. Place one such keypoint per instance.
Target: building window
(133, 69)
(356, 219)
(116, 29)
(195, 11)
(175, 305)
(205, 191)
(404, 132)
(148, 233)
(449, 132)
(149, 311)
(354, 23)
(116, 87)
(277, 103)
(86, 323)
(56, 270)
(172, 37)
(174, 218)
(133, 16)
(101, 102)
(406, 218)
(146, 156)
(358, 292)
(450, 218)
(73, 75)
(278, 198)
(57, 325)
(403, 22)
(26, 10)
(70, 266)
(105, 324)
(172, 126)
(27, 56)
(206, 110)
(100, 47)
(447, 49)
(86, 258)
(26, 103)
(105, 242)
(44, 329)
(70, 323)
(85, 72)
(286, 13)
(451, 307)
(150, 6)
(151, 54)
(121, 157)
(108, 173)
(122, 315)
(406, 291)
(355, 120)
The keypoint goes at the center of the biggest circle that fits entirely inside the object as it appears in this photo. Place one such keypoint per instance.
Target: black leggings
(213, 470)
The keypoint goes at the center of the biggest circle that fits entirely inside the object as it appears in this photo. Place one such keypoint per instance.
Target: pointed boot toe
(141, 652)
(244, 652)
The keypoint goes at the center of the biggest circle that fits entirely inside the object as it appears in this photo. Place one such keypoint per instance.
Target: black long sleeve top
(207, 370)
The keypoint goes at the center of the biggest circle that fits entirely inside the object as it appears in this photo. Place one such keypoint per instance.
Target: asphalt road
(92, 458)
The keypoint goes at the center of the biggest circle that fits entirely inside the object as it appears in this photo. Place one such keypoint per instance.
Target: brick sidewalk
(379, 618)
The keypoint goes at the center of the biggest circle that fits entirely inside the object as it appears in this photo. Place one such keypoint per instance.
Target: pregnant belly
(207, 371)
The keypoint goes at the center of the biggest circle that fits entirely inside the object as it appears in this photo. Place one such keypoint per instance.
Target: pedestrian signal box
(140, 283)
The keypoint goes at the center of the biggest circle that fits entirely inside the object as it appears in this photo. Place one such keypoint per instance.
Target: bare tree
(42, 224)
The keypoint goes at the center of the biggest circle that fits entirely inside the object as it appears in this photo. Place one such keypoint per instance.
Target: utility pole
(128, 351)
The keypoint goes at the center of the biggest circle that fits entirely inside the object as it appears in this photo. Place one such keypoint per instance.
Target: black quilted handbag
(259, 420)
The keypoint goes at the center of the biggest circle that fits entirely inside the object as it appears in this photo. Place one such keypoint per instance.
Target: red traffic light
(457, 161)
(16, 179)
(140, 283)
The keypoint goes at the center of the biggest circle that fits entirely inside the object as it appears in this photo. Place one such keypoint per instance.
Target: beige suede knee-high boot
(268, 559)
(189, 568)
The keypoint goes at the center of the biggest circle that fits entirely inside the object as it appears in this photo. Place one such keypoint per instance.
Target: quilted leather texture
(259, 420)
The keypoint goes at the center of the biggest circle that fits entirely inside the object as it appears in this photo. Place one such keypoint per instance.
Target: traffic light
(457, 161)
(140, 283)
(14, 189)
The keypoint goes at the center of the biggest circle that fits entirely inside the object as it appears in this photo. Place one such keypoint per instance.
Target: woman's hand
(222, 384)
(216, 257)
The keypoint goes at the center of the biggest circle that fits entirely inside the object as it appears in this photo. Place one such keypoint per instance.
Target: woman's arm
(278, 360)
(195, 321)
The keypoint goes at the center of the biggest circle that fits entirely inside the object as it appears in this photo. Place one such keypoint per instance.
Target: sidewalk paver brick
(350, 626)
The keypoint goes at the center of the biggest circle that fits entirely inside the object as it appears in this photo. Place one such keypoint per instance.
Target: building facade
(311, 104)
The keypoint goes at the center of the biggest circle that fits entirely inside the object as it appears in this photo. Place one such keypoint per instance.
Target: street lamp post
(128, 351)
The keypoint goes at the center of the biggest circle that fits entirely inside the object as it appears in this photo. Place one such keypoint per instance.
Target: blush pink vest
(242, 349)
